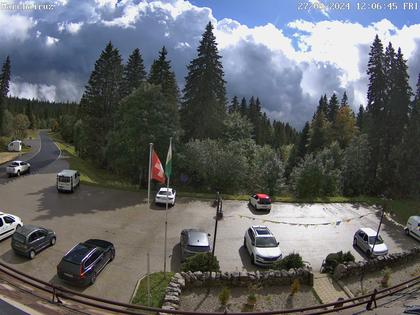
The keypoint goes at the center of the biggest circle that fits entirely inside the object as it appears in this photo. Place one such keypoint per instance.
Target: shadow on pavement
(59, 283)
(176, 258)
(246, 259)
(257, 212)
(85, 199)
(11, 258)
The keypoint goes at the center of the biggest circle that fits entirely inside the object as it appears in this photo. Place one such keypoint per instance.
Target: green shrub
(224, 296)
(334, 259)
(293, 260)
(201, 262)
(4, 141)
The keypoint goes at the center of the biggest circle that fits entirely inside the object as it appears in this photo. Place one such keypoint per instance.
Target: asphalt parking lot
(124, 219)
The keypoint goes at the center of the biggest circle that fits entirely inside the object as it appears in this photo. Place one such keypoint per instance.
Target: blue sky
(270, 49)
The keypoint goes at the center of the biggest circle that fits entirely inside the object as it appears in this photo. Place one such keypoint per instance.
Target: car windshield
(163, 192)
(264, 201)
(19, 237)
(198, 249)
(14, 164)
(64, 179)
(378, 241)
(266, 242)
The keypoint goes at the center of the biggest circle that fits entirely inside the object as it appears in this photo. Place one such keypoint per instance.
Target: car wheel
(355, 242)
(29, 170)
(53, 240)
(112, 255)
(93, 278)
(18, 173)
(252, 259)
(245, 243)
(368, 253)
(32, 254)
(407, 231)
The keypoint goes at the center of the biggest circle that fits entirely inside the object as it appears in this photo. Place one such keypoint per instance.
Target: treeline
(17, 115)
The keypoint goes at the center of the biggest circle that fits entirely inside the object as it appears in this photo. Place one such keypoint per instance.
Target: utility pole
(216, 218)
(379, 227)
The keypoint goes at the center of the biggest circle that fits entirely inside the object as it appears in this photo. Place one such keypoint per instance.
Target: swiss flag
(157, 169)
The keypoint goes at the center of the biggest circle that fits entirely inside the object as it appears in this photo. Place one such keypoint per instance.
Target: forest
(232, 145)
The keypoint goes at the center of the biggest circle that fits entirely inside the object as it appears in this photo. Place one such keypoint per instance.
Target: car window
(23, 163)
(365, 237)
(42, 233)
(1, 222)
(9, 220)
(32, 237)
(92, 258)
(361, 234)
(251, 235)
(254, 196)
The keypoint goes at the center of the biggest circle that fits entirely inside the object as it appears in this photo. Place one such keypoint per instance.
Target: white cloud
(72, 28)
(30, 90)
(50, 41)
(15, 27)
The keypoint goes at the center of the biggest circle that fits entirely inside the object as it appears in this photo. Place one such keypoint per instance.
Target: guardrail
(58, 293)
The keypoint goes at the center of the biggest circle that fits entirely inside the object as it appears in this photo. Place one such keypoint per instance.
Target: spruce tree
(134, 73)
(204, 101)
(4, 89)
(243, 109)
(161, 74)
(322, 106)
(332, 108)
(344, 100)
(319, 133)
(234, 106)
(360, 119)
(376, 97)
(303, 143)
(99, 104)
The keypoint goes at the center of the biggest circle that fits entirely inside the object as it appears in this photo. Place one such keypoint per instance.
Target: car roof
(369, 231)
(78, 253)
(262, 230)
(197, 238)
(415, 218)
(262, 196)
(28, 229)
(97, 243)
(16, 161)
(164, 189)
(67, 173)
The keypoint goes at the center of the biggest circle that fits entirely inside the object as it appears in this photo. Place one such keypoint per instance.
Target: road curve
(47, 154)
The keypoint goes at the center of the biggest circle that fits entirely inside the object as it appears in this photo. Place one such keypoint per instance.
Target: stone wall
(379, 263)
(185, 280)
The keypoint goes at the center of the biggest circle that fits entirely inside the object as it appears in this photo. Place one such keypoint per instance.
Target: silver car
(192, 242)
(364, 238)
(17, 168)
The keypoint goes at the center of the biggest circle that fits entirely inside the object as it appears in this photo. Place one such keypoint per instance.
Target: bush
(334, 259)
(290, 261)
(4, 141)
(224, 296)
(201, 262)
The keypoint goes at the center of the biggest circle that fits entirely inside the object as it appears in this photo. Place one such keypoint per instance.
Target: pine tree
(161, 74)
(234, 106)
(360, 120)
(322, 106)
(99, 104)
(344, 126)
(4, 89)
(243, 109)
(344, 100)
(332, 108)
(304, 141)
(134, 73)
(319, 133)
(30, 115)
(204, 101)
(376, 107)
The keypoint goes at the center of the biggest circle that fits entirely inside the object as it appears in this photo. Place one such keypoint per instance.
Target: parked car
(165, 195)
(262, 246)
(8, 224)
(68, 180)
(260, 202)
(413, 226)
(82, 264)
(17, 168)
(364, 238)
(28, 240)
(194, 241)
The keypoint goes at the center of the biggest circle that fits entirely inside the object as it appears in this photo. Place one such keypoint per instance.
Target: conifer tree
(4, 89)
(161, 74)
(204, 100)
(243, 109)
(99, 104)
(332, 108)
(134, 73)
(322, 106)
(344, 100)
(319, 133)
(234, 106)
(304, 141)
(360, 119)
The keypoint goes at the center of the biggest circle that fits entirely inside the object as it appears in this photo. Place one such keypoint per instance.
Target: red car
(260, 202)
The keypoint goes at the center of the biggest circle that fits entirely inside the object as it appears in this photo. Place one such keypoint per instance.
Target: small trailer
(15, 146)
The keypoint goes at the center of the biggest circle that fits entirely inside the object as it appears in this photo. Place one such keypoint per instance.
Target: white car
(8, 224)
(364, 238)
(260, 202)
(17, 168)
(165, 195)
(262, 246)
(413, 226)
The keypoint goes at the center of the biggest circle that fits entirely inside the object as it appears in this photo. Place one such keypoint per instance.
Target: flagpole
(150, 170)
(166, 215)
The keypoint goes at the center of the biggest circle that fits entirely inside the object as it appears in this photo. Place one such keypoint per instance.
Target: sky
(286, 52)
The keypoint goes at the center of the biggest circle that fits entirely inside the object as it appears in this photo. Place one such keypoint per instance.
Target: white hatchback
(165, 195)
(364, 238)
(262, 246)
(8, 224)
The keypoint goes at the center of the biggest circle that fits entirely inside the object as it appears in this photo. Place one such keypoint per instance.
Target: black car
(82, 264)
(30, 239)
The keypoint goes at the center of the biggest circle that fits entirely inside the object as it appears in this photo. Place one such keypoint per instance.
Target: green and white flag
(168, 165)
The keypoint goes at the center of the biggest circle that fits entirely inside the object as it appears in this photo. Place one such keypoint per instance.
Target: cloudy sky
(287, 52)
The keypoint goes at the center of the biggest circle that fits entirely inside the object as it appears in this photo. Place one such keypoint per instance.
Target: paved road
(123, 218)
(43, 153)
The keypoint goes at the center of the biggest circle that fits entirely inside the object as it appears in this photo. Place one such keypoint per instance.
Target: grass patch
(89, 173)
(158, 285)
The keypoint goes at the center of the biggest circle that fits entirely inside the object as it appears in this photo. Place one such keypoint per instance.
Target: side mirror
(253, 243)
(208, 234)
(278, 243)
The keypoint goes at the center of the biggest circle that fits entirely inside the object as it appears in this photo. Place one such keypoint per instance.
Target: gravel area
(373, 280)
(268, 298)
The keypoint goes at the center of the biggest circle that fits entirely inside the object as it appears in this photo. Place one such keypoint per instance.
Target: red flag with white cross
(157, 169)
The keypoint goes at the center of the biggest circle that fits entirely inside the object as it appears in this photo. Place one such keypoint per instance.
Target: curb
(135, 288)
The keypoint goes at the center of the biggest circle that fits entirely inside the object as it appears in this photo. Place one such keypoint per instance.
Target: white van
(67, 180)
(15, 146)
(413, 226)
